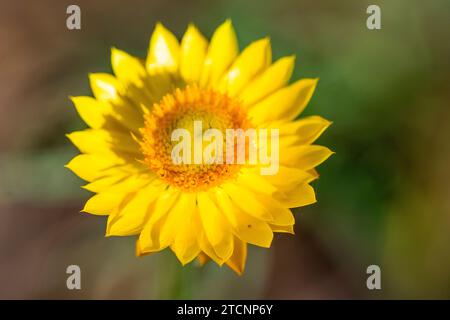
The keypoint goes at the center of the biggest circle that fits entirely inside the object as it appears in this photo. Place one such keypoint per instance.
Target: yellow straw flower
(200, 210)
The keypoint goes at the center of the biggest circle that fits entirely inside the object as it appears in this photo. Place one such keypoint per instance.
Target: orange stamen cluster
(179, 110)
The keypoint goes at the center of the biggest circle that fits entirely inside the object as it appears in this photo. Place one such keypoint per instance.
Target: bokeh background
(384, 197)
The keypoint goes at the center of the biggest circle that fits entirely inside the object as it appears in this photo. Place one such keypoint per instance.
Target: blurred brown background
(383, 198)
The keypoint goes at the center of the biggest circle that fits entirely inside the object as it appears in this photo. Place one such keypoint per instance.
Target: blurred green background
(383, 198)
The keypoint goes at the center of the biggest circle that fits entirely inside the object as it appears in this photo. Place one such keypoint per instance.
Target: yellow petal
(105, 87)
(298, 196)
(237, 260)
(192, 55)
(103, 203)
(225, 204)
(139, 252)
(203, 258)
(304, 131)
(222, 51)
(286, 177)
(274, 78)
(215, 226)
(131, 218)
(283, 229)
(89, 166)
(308, 129)
(139, 96)
(287, 141)
(282, 216)
(104, 183)
(314, 173)
(208, 249)
(163, 52)
(245, 227)
(251, 62)
(149, 238)
(284, 104)
(254, 181)
(126, 67)
(252, 230)
(304, 157)
(177, 217)
(127, 115)
(159, 84)
(185, 244)
(246, 201)
(133, 181)
(99, 141)
(165, 202)
(92, 111)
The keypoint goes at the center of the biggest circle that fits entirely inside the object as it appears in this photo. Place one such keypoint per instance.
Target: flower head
(202, 200)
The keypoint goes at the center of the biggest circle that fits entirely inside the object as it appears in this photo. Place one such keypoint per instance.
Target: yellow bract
(204, 212)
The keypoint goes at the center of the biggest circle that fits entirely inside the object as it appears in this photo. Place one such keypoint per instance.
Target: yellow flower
(201, 210)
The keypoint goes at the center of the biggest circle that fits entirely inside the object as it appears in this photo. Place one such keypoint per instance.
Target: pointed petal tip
(289, 59)
(268, 244)
(331, 152)
(191, 27)
(228, 24)
(239, 272)
(263, 41)
(159, 26)
(184, 262)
